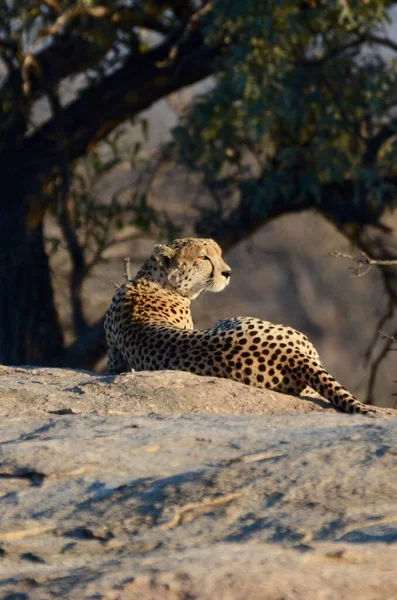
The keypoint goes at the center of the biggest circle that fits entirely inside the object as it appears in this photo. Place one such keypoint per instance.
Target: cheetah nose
(226, 274)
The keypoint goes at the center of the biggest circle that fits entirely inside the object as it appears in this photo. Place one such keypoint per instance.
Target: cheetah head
(192, 265)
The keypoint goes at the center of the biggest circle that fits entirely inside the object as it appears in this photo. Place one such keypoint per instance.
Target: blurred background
(269, 126)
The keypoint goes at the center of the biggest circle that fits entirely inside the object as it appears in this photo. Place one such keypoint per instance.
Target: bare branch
(377, 242)
(76, 252)
(127, 264)
(366, 261)
(376, 364)
(389, 337)
(116, 285)
(381, 322)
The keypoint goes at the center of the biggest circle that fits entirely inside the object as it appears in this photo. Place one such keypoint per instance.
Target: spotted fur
(149, 327)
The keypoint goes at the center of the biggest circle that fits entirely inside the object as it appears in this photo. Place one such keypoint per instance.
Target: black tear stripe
(212, 271)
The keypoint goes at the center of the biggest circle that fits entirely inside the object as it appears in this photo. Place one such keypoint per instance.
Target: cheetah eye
(204, 257)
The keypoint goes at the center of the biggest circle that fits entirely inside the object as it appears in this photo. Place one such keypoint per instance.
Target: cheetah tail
(311, 373)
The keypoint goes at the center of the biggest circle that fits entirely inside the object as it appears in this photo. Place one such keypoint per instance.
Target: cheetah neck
(154, 304)
(151, 274)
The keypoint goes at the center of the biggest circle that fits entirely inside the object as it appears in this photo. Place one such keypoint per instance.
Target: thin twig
(392, 338)
(116, 285)
(366, 261)
(127, 273)
(205, 505)
(376, 363)
(188, 29)
(362, 267)
(381, 322)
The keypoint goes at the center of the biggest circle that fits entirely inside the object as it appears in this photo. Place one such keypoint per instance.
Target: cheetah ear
(163, 254)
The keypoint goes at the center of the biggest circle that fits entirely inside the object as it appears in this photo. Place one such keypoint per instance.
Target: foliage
(306, 98)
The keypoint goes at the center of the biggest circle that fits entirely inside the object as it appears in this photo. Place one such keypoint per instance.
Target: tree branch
(192, 24)
(376, 243)
(376, 364)
(381, 41)
(75, 250)
(331, 54)
(375, 143)
(333, 204)
(70, 53)
(121, 95)
(366, 261)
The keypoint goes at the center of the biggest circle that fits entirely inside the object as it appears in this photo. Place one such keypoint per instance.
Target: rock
(129, 488)
(39, 391)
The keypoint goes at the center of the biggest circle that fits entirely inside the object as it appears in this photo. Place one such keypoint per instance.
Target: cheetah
(149, 327)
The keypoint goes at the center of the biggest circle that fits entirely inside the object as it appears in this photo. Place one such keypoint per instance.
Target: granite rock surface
(170, 486)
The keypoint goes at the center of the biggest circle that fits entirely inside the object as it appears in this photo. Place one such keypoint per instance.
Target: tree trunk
(29, 329)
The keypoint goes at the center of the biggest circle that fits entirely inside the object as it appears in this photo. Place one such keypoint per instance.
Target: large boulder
(136, 487)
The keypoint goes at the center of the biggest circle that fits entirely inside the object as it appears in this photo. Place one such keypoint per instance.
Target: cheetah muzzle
(149, 327)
